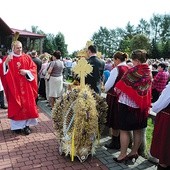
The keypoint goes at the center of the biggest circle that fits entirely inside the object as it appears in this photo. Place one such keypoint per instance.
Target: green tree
(155, 52)
(155, 22)
(129, 31)
(59, 44)
(55, 42)
(106, 40)
(101, 40)
(35, 43)
(127, 35)
(165, 29)
(166, 50)
(118, 35)
(155, 33)
(143, 28)
(48, 45)
(140, 42)
(73, 54)
(160, 25)
(124, 45)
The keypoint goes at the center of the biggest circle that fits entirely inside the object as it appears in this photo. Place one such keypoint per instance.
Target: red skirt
(160, 147)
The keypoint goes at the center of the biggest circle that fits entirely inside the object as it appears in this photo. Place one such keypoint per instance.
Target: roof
(5, 29)
(27, 33)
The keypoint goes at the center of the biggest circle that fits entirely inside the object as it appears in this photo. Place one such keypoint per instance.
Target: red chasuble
(20, 92)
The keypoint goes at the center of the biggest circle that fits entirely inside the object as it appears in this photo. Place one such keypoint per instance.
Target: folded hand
(23, 72)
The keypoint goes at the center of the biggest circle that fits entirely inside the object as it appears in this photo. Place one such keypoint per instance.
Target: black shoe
(4, 107)
(159, 167)
(121, 160)
(112, 146)
(27, 130)
(115, 143)
(133, 158)
(109, 145)
(17, 131)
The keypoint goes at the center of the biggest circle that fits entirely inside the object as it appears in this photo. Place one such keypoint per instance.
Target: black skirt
(42, 88)
(131, 118)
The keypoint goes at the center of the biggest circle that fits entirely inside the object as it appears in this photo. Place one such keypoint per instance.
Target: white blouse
(163, 100)
(112, 78)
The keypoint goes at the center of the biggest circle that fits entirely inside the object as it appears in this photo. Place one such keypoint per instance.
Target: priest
(19, 78)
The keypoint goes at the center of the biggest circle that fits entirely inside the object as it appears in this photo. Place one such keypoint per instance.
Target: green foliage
(165, 29)
(149, 132)
(35, 43)
(48, 45)
(153, 36)
(125, 45)
(166, 50)
(73, 55)
(53, 43)
(59, 44)
(155, 52)
(130, 31)
(103, 40)
(143, 28)
(140, 42)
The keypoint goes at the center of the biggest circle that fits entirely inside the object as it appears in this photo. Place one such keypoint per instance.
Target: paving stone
(39, 150)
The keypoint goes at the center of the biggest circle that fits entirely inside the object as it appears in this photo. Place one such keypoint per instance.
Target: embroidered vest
(121, 71)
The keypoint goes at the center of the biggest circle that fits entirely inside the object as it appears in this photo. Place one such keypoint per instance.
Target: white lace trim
(124, 99)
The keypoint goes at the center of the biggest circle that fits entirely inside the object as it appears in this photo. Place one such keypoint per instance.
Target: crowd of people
(145, 81)
(131, 83)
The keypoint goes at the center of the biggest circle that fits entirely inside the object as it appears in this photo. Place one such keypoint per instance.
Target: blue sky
(78, 19)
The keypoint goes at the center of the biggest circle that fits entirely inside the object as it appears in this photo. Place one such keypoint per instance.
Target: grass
(149, 132)
(69, 80)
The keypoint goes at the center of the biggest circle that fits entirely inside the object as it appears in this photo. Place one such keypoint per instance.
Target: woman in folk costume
(19, 78)
(160, 147)
(112, 99)
(134, 91)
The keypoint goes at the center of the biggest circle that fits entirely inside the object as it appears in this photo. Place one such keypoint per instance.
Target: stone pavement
(39, 150)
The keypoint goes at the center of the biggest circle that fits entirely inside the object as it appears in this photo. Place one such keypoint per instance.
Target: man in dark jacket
(94, 79)
(38, 63)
